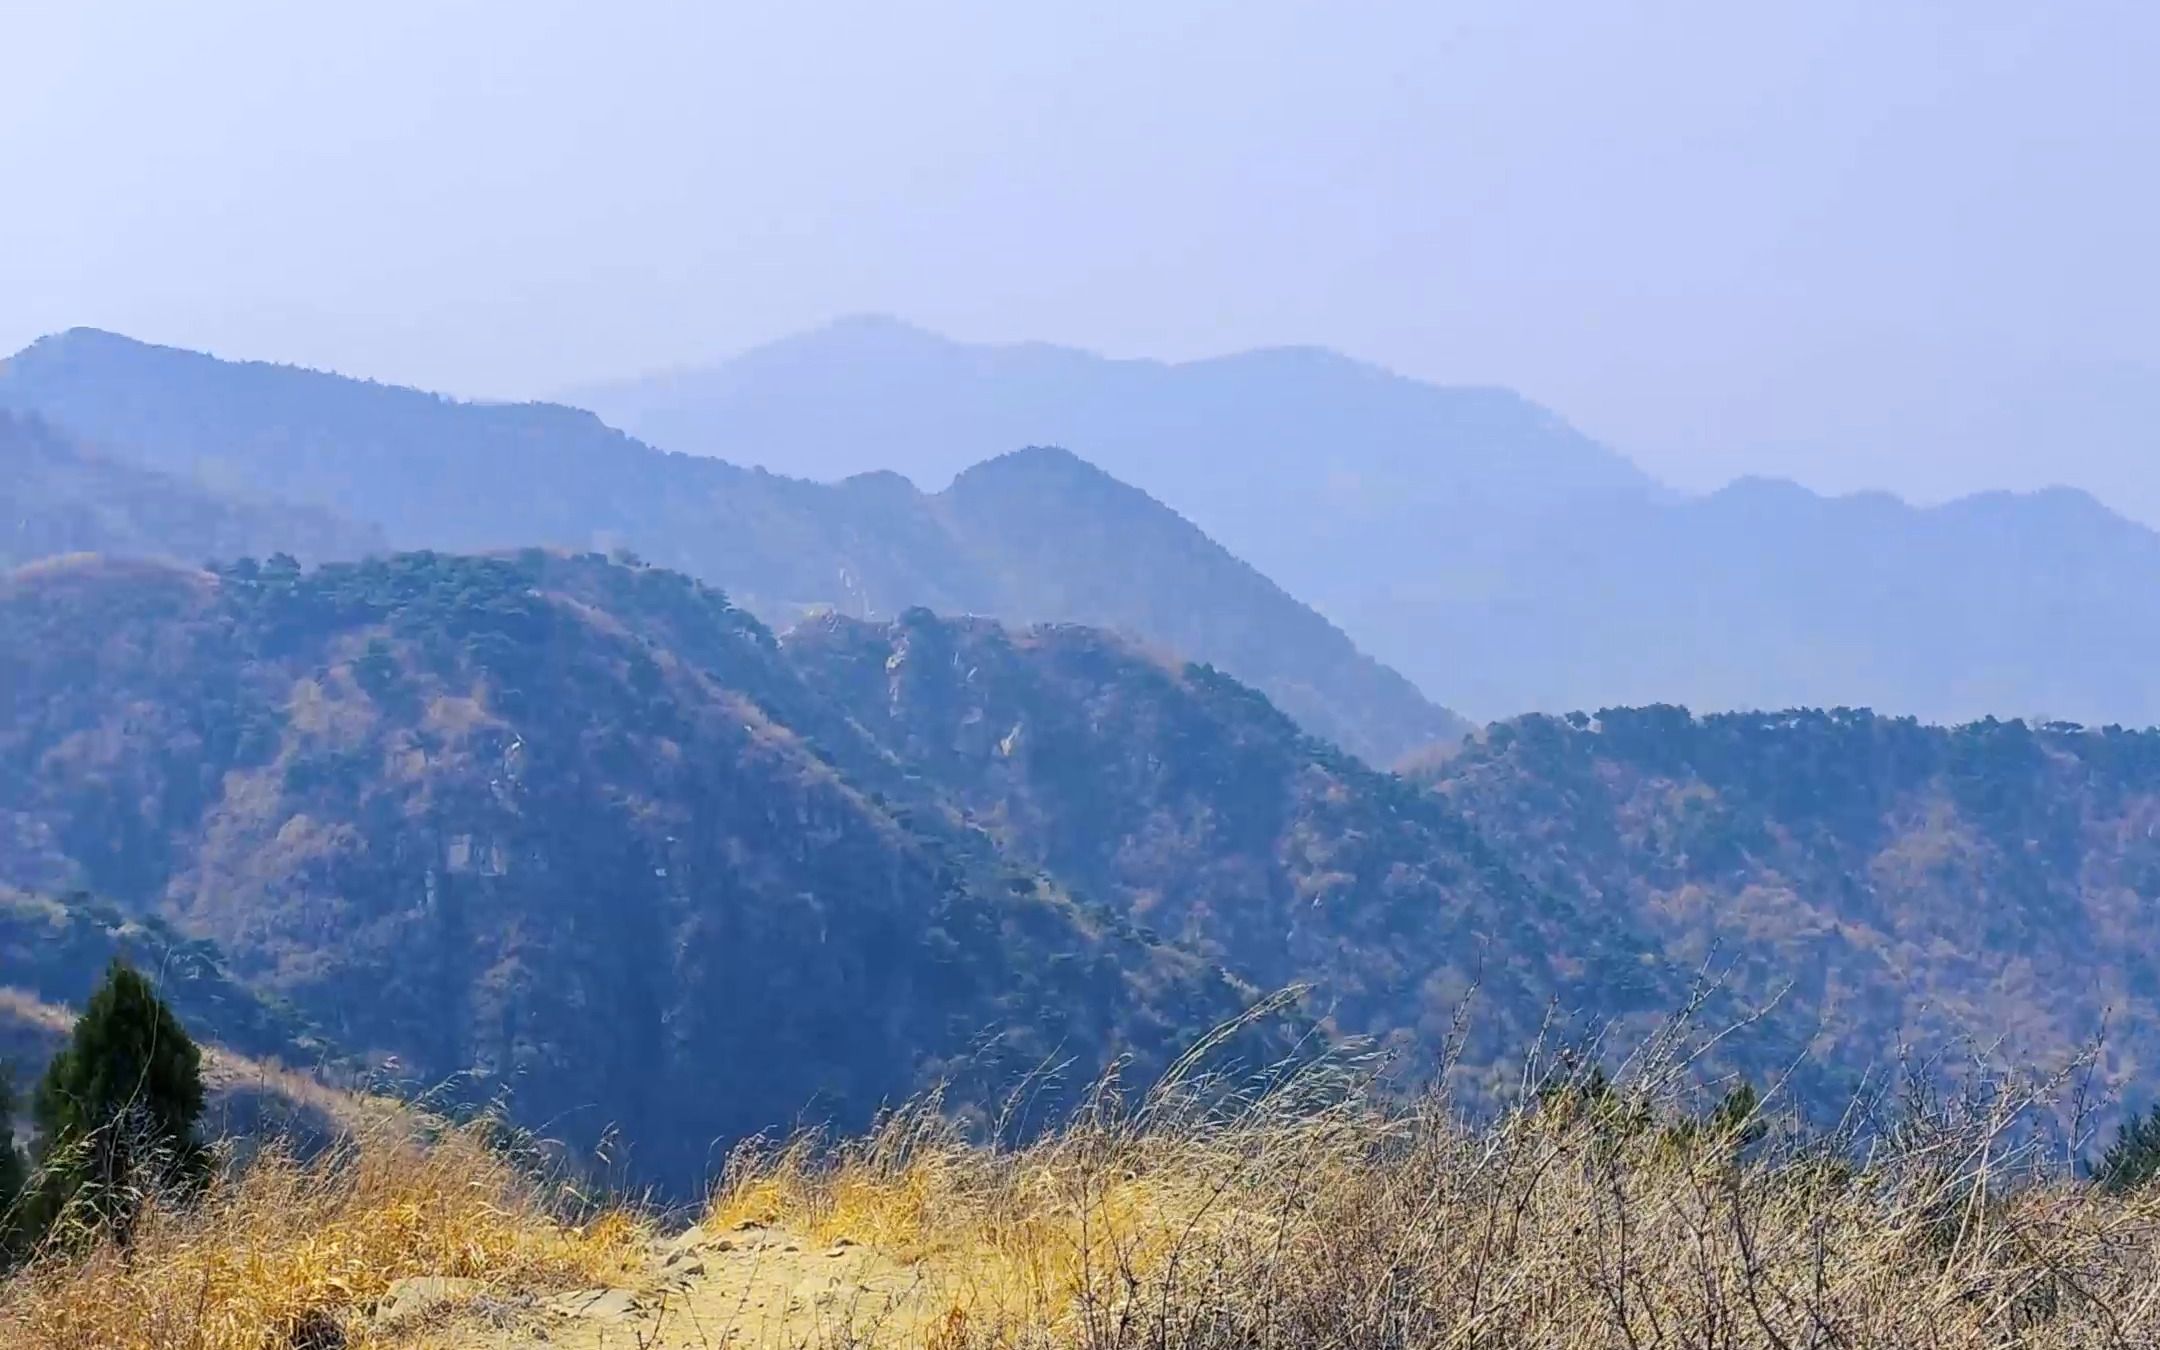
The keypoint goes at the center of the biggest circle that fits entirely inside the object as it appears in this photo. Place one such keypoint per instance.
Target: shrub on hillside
(116, 1114)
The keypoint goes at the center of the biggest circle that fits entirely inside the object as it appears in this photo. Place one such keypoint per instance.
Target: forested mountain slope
(54, 949)
(1056, 538)
(590, 832)
(1891, 891)
(269, 1073)
(1031, 537)
(1193, 806)
(475, 815)
(1908, 882)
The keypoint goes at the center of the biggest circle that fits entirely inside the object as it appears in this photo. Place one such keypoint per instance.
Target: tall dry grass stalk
(1307, 1214)
(289, 1250)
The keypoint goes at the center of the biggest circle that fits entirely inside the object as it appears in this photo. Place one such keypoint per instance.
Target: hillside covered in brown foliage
(590, 837)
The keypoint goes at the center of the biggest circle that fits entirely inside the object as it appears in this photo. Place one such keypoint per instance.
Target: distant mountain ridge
(1474, 541)
(929, 406)
(58, 496)
(1766, 595)
(1034, 536)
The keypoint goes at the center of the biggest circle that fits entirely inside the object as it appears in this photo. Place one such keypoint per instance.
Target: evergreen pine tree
(1737, 1121)
(1733, 1126)
(116, 1112)
(2134, 1158)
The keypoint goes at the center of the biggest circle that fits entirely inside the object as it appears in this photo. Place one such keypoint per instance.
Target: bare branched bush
(1594, 1212)
(1302, 1207)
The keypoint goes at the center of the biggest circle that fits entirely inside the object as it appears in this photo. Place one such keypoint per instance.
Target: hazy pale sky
(1861, 243)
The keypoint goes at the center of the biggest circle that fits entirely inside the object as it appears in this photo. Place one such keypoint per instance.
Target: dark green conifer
(1737, 1121)
(116, 1113)
(2133, 1160)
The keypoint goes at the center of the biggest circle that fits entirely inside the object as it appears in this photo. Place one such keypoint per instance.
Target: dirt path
(753, 1287)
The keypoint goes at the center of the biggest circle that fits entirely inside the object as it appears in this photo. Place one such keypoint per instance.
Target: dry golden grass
(1309, 1216)
(1303, 1212)
(285, 1244)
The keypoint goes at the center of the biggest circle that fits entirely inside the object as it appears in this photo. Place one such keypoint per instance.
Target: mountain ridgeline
(1993, 880)
(590, 835)
(1030, 536)
(1192, 806)
(1039, 779)
(59, 497)
(476, 816)
(1473, 540)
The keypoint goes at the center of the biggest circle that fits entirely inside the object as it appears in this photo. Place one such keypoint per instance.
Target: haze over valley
(1039, 701)
(1171, 677)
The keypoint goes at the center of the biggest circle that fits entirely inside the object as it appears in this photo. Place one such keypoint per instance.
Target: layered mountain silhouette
(1231, 434)
(1767, 595)
(1476, 542)
(57, 496)
(583, 830)
(1029, 536)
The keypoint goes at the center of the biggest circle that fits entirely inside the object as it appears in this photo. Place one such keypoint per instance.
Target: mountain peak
(72, 341)
(2068, 503)
(1039, 461)
(85, 335)
(1765, 489)
(874, 324)
(859, 337)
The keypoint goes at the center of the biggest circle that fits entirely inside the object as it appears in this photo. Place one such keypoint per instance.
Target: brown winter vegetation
(291, 1251)
(1305, 1213)
(1303, 1219)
